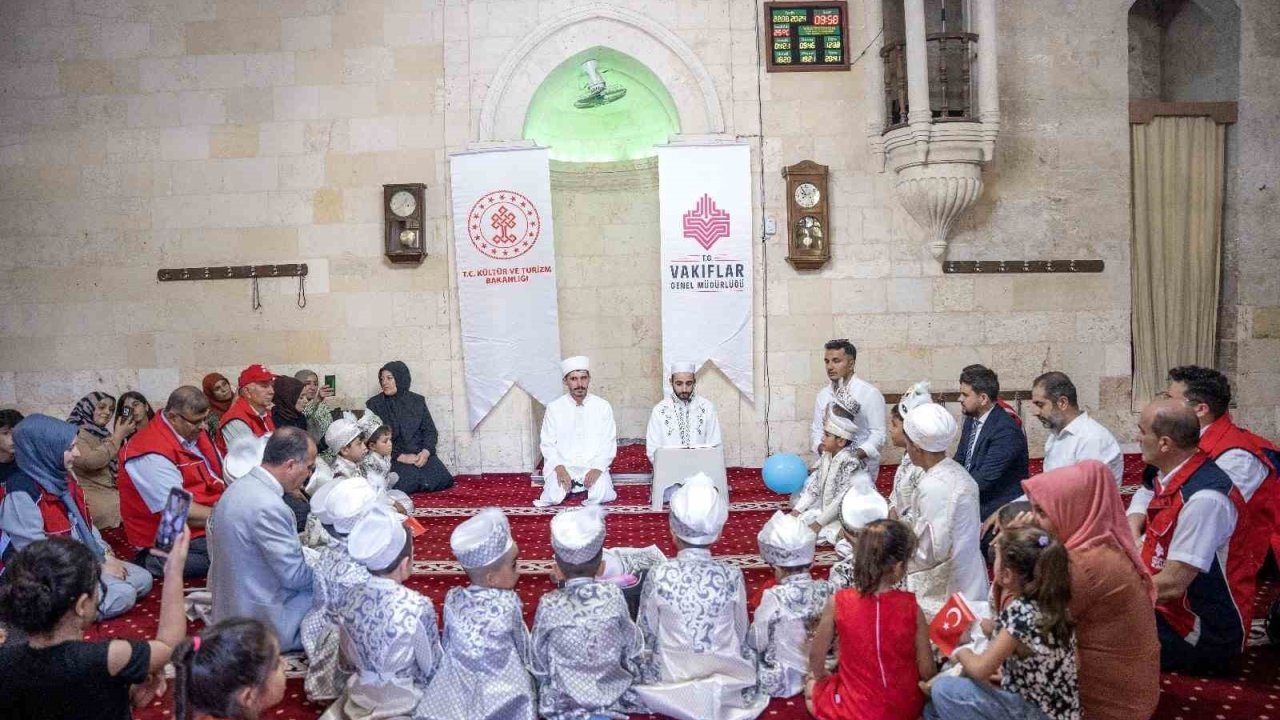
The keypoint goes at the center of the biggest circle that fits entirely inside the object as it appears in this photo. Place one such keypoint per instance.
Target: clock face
(807, 195)
(403, 203)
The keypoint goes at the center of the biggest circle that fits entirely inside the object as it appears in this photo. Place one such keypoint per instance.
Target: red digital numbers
(826, 20)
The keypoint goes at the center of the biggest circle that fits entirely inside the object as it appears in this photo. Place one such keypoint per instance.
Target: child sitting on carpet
(343, 435)
(585, 647)
(378, 461)
(232, 669)
(857, 510)
(1009, 514)
(389, 632)
(693, 616)
(483, 672)
(788, 611)
(883, 638)
(1034, 646)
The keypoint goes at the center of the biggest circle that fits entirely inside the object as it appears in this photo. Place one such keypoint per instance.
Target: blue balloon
(785, 473)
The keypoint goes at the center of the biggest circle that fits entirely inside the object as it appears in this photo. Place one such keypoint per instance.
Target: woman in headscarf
(318, 414)
(95, 464)
(44, 500)
(1112, 596)
(287, 410)
(413, 433)
(217, 388)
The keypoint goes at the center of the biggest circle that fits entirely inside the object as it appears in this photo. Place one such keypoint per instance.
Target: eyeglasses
(197, 421)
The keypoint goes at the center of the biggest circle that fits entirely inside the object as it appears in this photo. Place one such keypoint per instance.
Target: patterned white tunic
(781, 631)
(676, 423)
(819, 500)
(335, 574)
(484, 671)
(697, 664)
(586, 652)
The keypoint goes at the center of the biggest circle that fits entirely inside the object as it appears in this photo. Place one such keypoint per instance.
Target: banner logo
(503, 225)
(706, 223)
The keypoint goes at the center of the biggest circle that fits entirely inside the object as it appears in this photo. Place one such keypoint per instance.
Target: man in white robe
(840, 358)
(579, 441)
(682, 419)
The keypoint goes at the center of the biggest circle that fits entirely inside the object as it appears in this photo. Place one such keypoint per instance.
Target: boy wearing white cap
(484, 669)
(682, 419)
(586, 649)
(389, 633)
(907, 477)
(693, 617)
(345, 437)
(579, 441)
(839, 471)
(337, 507)
(857, 510)
(789, 610)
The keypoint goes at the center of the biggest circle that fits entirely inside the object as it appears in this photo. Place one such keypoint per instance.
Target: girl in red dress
(884, 640)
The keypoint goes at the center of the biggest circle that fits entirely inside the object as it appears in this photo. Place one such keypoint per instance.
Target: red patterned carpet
(1254, 692)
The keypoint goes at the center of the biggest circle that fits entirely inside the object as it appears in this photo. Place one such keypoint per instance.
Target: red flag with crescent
(950, 624)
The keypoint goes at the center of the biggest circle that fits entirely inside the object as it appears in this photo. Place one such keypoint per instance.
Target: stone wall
(146, 134)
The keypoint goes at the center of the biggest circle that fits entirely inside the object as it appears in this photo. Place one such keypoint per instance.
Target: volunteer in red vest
(1240, 454)
(250, 414)
(1186, 519)
(173, 451)
(43, 500)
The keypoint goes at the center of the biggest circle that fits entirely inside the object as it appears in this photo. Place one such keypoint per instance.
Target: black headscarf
(285, 411)
(412, 428)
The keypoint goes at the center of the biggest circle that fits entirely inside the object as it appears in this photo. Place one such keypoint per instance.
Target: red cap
(255, 374)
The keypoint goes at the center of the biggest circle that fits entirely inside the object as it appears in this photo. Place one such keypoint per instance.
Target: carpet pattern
(1253, 691)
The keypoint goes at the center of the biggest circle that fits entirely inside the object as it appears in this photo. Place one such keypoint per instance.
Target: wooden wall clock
(808, 215)
(403, 210)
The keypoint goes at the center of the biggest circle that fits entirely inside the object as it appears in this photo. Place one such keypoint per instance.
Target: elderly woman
(95, 464)
(1112, 596)
(44, 500)
(413, 432)
(318, 414)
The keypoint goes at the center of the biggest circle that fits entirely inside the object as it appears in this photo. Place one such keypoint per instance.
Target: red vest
(205, 486)
(1212, 610)
(241, 410)
(54, 514)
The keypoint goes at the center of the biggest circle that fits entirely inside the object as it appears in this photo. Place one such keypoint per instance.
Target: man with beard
(993, 448)
(682, 419)
(579, 441)
(1073, 435)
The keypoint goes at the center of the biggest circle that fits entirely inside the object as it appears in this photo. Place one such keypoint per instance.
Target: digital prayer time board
(806, 36)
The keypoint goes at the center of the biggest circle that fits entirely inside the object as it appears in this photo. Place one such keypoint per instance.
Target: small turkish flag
(950, 624)
(414, 527)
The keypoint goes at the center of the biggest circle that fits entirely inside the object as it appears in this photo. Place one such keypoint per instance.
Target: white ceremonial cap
(367, 422)
(915, 397)
(698, 511)
(859, 508)
(377, 540)
(574, 364)
(931, 427)
(843, 396)
(349, 500)
(320, 495)
(341, 432)
(840, 427)
(577, 536)
(242, 456)
(786, 541)
(481, 540)
(684, 367)
(320, 478)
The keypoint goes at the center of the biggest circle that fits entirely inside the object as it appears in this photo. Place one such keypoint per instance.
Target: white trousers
(554, 494)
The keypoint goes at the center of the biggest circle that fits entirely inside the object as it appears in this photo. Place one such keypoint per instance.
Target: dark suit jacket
(999, 462)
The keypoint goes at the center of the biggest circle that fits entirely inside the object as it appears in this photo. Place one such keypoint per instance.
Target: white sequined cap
(377, 539)
(340, 433)
(786, 541)
(577, 536)
(349, 500)
(574, 364)
(698, 511)
(915, 397)
(857, 509)
(482, 539)
(840, 427)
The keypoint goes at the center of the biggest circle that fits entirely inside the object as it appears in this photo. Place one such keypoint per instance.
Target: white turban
(321, 495)
(349, 500)
(377, 540)
(786, 541)
(481, 540)
(242, 456)
(684, 367)
(915, 397)
(574, 364)
(698, 511)
(840, 427)
(857, 509)
(931, 427)
(577, 536)
(321, 477)
(340, 433)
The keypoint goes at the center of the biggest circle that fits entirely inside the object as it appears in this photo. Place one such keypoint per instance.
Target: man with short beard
(1073, 435)
(682, 419)
(579, 440)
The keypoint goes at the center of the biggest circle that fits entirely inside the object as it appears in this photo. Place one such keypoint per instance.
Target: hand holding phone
(173, 520)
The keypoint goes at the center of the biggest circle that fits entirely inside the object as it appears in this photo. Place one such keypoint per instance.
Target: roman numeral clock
(808, 220)
(402, 206)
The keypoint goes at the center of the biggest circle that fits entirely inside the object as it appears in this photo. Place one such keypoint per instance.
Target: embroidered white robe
(334, 576)
(945, 517)
(781, 630)
(676, 423)
(819, 500)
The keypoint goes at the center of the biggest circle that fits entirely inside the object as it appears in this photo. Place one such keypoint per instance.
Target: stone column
(873, 87)
(988, 83)
(920, 116)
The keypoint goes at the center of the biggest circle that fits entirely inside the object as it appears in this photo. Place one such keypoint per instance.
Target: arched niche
(547, 47)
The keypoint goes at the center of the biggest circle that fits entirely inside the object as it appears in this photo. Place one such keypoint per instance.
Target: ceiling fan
(597, 91)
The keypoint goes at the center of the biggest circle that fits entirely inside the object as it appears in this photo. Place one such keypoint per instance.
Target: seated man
(682, 419)
(250, 414)
(173, 452)
(1189, 514)
(258, 570)
(993, 447)
(579, 441)
(1073, 435)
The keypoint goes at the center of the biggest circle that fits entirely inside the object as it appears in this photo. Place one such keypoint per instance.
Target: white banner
(505, 257)
(704, 193)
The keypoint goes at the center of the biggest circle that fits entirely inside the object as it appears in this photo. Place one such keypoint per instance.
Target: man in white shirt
(1073, 435)
(682, 419)
(579, 441)
(840, 358)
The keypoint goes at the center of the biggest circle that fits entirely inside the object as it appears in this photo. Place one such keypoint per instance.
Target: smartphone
(173, 519)
(125, 412)
(332, 382)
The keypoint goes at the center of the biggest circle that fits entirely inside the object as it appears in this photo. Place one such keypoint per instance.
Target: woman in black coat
(413, 433)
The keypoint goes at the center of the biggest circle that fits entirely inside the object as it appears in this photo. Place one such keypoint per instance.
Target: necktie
(973, 443)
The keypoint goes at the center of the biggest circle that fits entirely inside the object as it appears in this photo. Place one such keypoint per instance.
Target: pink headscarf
(1085, 508)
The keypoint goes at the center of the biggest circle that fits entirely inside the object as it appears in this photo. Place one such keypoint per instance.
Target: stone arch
(547, 46)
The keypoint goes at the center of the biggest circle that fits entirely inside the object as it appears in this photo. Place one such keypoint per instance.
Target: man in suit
(257, 567)
(993, 448)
